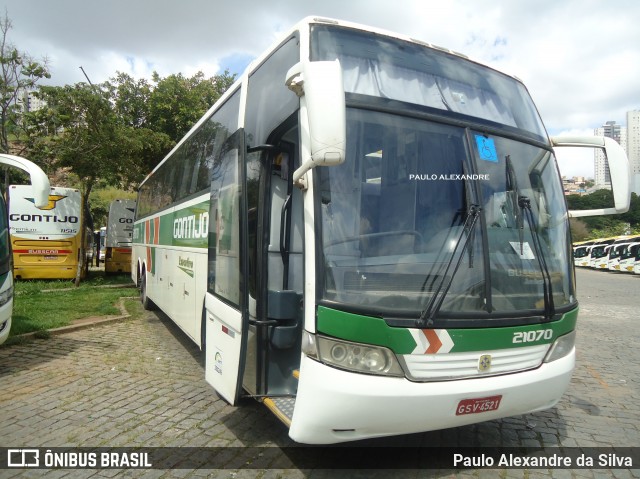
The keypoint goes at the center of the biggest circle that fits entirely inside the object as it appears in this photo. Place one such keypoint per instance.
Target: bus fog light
(362, 358)
(562, 347)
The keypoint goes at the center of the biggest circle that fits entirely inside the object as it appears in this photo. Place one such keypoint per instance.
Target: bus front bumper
(337, 406)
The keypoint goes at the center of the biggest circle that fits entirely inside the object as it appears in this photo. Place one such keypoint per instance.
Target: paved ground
(141, 383)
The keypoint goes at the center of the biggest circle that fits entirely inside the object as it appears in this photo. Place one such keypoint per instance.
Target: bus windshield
(581, 252)
(394, 211)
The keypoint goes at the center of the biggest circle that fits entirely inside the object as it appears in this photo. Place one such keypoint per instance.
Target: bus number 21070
(532, 336)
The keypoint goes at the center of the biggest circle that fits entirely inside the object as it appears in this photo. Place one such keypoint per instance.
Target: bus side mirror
(322, 112)
(618, 169)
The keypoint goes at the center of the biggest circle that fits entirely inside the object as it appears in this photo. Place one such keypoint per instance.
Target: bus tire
(147, 304)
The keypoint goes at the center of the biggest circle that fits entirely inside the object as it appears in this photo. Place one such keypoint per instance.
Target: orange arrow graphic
(434, 341)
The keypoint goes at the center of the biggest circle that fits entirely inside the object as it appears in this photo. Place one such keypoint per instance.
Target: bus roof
(303, 25)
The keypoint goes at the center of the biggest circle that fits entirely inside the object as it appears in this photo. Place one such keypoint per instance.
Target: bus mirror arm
(39, 181)
(618, 168)
(322, 112)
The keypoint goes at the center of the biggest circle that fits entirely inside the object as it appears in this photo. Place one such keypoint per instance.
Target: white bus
(599, 255)
(582, 254)
(636, 263)
(369, 235)
(119, 231)
(39, 192)
(628, 257)
(616, 250)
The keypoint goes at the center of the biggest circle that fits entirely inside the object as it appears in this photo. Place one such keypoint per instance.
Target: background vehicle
(616, 249)
(45, 241)
(582, 253)
(628, 257)
(99, 238)
(380, 245)
(39, 191)
(636, 264)
(119, 230)
(599, 253)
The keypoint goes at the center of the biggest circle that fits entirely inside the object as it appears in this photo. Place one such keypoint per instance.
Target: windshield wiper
(436, 300)
(549, 308)
(512, 188)
(524, 205)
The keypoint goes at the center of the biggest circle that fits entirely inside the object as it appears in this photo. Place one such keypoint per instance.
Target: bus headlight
(6, 295)
(562, 346)
(361, 358)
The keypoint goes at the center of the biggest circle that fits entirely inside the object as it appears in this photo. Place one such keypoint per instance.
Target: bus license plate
(477, 405)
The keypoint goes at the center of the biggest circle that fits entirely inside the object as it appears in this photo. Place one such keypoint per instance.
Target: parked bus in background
(613, 257)
(369, 234)
(628, 257)
(600, 250)
(39, 192)
(46, 242)
(581, 253)
(636, 263)
(119, 230)
(601, 258)
(616, 249)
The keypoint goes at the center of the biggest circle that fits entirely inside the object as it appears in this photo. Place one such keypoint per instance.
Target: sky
(580, 59)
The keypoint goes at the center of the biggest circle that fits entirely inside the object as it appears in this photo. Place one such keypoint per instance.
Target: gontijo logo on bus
(191, 226)
(53, 200)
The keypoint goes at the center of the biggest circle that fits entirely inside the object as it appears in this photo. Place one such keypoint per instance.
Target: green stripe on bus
(363, 329)
(371, 330)
(186, 227)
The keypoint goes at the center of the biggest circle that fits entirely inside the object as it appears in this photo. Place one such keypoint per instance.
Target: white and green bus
(369, 234)
(39, 195)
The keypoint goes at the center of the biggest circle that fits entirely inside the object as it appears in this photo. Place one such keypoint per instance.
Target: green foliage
(18, 71)
(176, 103)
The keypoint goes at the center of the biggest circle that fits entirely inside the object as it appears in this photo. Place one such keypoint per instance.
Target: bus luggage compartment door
(224, 361)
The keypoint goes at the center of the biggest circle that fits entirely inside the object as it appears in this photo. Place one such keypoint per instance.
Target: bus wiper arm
(512, 189)
(525, 205)
(436, 300)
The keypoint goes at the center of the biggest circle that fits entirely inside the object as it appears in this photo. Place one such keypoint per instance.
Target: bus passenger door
(226, 314)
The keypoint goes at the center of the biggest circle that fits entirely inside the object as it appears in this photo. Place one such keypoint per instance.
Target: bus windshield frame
(448, 83)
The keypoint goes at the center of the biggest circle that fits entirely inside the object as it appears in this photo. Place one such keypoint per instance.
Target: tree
(130, 100)
(603, 226)
(579, 230)
(87, 137)
(176, 103)
(163, 111)
(18, 73)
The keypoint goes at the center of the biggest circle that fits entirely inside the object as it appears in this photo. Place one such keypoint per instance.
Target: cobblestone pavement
(141, 383)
